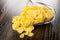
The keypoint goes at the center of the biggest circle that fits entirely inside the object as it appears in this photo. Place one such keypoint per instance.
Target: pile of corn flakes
(29, 16)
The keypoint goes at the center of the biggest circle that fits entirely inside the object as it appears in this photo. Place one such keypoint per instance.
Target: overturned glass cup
(30, 3)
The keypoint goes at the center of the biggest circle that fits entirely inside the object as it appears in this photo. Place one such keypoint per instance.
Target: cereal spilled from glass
(29, 16)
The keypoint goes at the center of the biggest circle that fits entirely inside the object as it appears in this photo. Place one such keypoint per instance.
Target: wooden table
(49, 31)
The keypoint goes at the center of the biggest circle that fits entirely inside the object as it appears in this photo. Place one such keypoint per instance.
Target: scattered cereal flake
(22, 35)
(20, 30)
(30, 34)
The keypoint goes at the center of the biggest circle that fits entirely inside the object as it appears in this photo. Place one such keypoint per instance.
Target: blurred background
(15, 6)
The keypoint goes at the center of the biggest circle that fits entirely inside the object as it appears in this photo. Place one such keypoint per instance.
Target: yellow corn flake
(26, 8)
(22, 35)
(29, 29)
(32, 27)
(30, 34)
(16, 18)
(20, 30)
(15, 26)
(35, 7)
(26, 33)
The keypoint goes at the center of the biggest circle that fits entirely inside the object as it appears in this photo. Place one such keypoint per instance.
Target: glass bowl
(30, 3)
